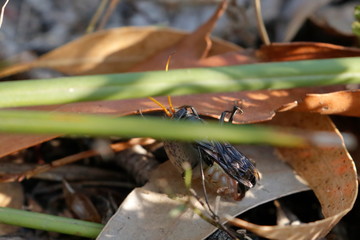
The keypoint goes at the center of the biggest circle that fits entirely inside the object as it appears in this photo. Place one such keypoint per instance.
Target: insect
(226, 169)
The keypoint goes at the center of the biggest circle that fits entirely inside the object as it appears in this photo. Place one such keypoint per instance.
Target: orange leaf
(342, 102)
(304, 51)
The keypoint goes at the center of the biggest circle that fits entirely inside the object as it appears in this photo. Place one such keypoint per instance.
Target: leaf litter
(145, 212)
(323, 169)
(337, 194)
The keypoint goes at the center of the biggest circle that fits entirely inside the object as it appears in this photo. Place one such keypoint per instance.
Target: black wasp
(227, 170)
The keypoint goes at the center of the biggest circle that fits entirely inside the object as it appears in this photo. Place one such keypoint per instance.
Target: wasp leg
(214, 215)
(235, 110)
(139, 111)
(194, 111)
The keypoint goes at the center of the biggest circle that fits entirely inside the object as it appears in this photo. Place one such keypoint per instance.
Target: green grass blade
(37, 122)
(182, 81)
(49, 223)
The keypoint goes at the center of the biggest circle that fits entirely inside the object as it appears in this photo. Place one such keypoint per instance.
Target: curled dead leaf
(105, 51)
(330, 172)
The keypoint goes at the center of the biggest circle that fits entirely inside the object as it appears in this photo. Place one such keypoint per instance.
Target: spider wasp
(226, 169)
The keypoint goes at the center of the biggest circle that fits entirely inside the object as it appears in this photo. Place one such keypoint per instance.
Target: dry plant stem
(57, 163)
(97, 15)
(204, 189)
(109, 11)
(2, 12)
(9, 172)
(116, 147)
(260, 22)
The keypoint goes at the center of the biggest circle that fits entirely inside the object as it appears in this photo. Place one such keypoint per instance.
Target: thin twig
(109, 11)
(204, 188)
(2, 12)
(97, 15)
(116, 147)
(260, 22)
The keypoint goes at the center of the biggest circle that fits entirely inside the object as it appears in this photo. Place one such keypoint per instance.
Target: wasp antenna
(167, 69)
(168, 62)
(169, 99)
(171, 106)
(162, 106)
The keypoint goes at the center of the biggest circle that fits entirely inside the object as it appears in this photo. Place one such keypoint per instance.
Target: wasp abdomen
(221, 182)
(180, 152)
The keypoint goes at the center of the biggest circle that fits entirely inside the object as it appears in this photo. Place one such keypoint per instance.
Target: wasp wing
(233, 162)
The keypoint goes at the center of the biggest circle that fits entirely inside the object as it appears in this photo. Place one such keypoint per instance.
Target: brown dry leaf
(11, 196)
(304, 51)
(342, 103)
(279, 52)
(258, 106)
(118, 50)
(109, 51)
(145, 212)
(10, 143)
(330, 172)
(228, 59)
